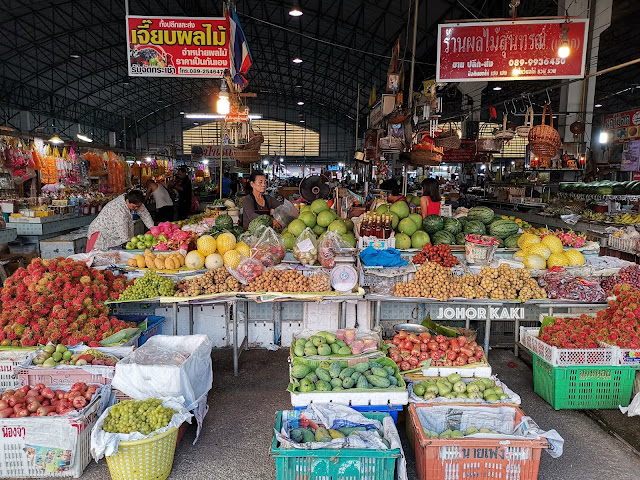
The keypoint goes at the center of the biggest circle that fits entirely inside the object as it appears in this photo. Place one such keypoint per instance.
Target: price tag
(305, 245)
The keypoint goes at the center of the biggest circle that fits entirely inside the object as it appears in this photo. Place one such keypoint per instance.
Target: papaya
(390, 370)
(347, 372)
(348, 382)
(312, 377)
(323, 374)
(335, 369)
(380, 372)
(378, 382)
(362, 383)
(393, 381)
(361, 367)
(356, 375)
(306, 386)
(336, 382)
(323, 386)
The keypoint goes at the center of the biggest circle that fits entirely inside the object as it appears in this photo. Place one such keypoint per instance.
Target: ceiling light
(604, 137)
(497, 88)
(181, 113)
(295, 12)
(205, 161)
(300, 102)
(341, 164)
(56, 139)
(75, 56)
(301, 121)
(222, 105)
(565, 46)
(297, 86)
(598, 105)
(84, 138)
(297, 60)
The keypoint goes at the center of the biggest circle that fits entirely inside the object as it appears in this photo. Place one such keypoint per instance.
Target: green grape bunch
(144, 416)
(150, 285)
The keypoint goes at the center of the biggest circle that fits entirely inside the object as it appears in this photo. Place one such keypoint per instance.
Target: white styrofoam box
(260, 333)
(210, 320)
(288, 328)
(381, 397)
(241, 333)
(63, 245)
(321, 316)
(465, 372)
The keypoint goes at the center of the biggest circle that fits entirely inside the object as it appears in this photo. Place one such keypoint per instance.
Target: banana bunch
(163, 261)
(627, 219)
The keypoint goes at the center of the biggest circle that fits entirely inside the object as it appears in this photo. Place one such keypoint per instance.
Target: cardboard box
(10, 268)
(63, 245)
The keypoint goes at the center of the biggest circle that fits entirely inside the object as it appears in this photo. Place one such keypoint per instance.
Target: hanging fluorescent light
(281, 159)
(604, 137)
(84, 138)
(300, 103)
(341, 164)
(56, 139)
(215, 116)
(295, 12)
(222, 105)
(497, 88)
(301, 121)
(75, 56)
(297, 60)
(265, 162)
(598, 105)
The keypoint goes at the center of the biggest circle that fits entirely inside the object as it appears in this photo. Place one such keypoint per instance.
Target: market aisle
(238, 429)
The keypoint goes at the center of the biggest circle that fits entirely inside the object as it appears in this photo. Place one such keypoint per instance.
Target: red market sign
(177, 47)
(509, 50)
(624, 125)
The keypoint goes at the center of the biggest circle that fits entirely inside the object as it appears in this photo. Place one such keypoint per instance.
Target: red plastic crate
(460, 458)
(59, 377)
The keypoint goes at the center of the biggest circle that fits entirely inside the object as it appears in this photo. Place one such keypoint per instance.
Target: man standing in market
(185, 192)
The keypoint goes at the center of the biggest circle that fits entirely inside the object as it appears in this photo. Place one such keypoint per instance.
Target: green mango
(322, 434)
(323, 386)
(306, 386)
(317, 341)
(348, 382)
(308, 436)
(298, 351)
(419, 389)
(344, 350)
(324, 349)
(308, 344)
(390, 370)
(356, 375)
(311, 376)
(335, 369)
(346, 431)
(299, 371)
(323, 374)
(341, 343)
(330, 338)
(393, 381)
(335, 348)
(337, 387)
(378, 382)
(310, 351)
(296, 435)
(380, 372)
(336, 382)
(347, 372)
(301, 342)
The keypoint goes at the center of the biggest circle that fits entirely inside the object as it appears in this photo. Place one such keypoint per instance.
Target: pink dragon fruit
(155, 231)
(161, 247)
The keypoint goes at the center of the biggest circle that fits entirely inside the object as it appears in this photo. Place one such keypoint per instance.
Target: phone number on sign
(200, 71)
(536, 61)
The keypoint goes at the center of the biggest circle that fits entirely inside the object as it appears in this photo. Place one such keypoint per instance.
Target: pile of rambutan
(59, 301)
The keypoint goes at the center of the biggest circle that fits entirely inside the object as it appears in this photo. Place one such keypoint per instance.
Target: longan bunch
(216, 280)
(280, 281)
(320, 282)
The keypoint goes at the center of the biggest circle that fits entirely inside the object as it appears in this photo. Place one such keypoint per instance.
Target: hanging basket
(505, 134)
(488, 144)
(425, 152)
(523, 130)
(246, 157)
(391, 144)
(544, 140)
(448, 139)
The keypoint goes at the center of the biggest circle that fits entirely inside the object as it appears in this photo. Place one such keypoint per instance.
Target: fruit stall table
(545, 306)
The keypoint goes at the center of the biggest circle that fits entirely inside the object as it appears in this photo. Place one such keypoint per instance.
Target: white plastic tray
(379, 397)
(465, 372)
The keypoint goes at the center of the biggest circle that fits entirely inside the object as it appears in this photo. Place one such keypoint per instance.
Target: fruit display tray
(10, 360)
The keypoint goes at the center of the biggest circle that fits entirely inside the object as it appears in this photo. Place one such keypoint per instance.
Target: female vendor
(430, 200)
(256, 203)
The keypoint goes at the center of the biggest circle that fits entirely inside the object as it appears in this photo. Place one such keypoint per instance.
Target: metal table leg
(234, 314)
(487, 336)
(277, 321)
(378, 312)
(517, 337)
(342, 315)
(246, 328)
(175, 319)
(190, 319)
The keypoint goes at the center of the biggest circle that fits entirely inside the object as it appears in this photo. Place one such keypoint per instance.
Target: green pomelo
(417, 219)
(309, 218)
(419, 239)
(296, 227)
(319, 206)
(325, 218)
(403, 241)
(401, 209)
(338, 226)
(407, 226)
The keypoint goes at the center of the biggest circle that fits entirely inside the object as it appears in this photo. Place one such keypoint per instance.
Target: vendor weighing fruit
(256, 202)
(114, 224)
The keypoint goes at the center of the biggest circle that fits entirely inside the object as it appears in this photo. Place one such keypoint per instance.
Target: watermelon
(484, 214)
(224, 222)
(262, 220)
(443, 237)
(512, 241)
(500, 243)
(618, 188)
(503, 228)
(452, 225)
(475, 226)
(460, 238)
(463, 220)
(432, 223)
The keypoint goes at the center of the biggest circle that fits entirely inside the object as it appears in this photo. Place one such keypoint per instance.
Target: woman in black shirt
(256, 203)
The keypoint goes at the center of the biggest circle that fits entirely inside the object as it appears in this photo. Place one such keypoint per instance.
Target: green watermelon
(512, 241)
(618, 188)
(500, 243)
(224, 222)
(432, 223)
(503, 228)
(265, 220)
(452, 225)
(484, 214)
(475, 226)
(443, 237)
(463, 220)
(460, 238)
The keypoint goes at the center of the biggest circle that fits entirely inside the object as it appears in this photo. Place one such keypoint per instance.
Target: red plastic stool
(92, 241)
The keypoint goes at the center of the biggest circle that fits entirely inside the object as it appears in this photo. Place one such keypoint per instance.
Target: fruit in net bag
(305, 249)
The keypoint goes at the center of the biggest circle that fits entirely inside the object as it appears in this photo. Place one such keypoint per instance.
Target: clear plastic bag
(248, 270)
(285, 213)
(305, 250)
(328, 242)
(563, 285)
(269, 248)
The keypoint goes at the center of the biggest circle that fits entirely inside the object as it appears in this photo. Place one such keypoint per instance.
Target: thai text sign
(623, 125)
(177, 47)
(509, 50)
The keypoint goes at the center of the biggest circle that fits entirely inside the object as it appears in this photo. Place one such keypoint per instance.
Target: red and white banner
(624, 125)
(509, 50)
(177, 47)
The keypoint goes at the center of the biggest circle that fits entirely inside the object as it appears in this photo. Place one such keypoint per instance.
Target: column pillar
(473, 90)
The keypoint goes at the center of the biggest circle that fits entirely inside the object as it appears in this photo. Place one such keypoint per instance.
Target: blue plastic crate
(154, 325)
(392, 410)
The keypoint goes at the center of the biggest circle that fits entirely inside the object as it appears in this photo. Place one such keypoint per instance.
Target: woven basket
(391, 144)
(448, 140)
(488, 145)
(523, 130)
(255, 141)
(544, 140)
(426, 157)
(243, 156)
(504, 135)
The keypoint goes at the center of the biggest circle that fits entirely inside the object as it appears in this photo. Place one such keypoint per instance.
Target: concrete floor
(238, 429)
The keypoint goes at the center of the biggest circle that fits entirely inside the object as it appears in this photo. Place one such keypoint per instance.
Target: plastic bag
(320, 281)
(562, 284)
(285, 213)
(327, 243)
(269, 249)
(248, 270)
(305, 250)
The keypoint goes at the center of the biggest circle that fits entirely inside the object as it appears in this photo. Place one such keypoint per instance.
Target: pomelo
(318, 230)
(382, 209)
(403, 241)
(419, 239)
(400, 208)
(349, 238)
(289, 240)
(338, 226)
(319, 206)
(349, 224)
(296, 227)
(407, 226)
(324, 218)
(394, 220)
(417, 219)
(309, 218)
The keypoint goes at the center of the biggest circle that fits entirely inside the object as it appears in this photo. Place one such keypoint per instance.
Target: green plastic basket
(583, 387)
(333, 464)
